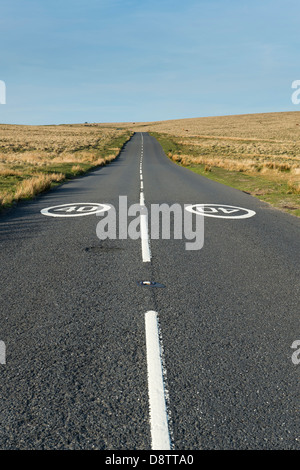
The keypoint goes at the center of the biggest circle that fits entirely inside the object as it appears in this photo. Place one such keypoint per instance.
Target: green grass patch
(168, 143)
(274, 192)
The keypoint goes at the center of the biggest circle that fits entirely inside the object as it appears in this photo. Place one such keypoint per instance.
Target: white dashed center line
(158, 411)
(146, 252)
(160, 438)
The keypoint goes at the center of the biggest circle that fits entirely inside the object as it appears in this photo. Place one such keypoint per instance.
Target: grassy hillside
(257, 153)
(33, 158)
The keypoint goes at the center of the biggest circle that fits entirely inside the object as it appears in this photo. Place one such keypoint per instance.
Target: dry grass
(32, 158)
(294, 187)
(261, 145)
(268, 127)
(32, 186)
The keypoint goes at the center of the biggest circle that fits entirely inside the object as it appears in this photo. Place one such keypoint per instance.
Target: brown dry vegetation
(265, 145)
(32, 158)
(271, 127)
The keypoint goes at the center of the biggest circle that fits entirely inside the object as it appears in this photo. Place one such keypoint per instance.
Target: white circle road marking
(220, 211)
(77, 209)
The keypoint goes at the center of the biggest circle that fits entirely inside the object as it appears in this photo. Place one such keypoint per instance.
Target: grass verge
(268, 183)
(35, 159)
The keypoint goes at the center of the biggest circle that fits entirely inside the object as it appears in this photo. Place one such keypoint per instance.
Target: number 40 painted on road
(216, 210)
(75, 209)
(221, 211)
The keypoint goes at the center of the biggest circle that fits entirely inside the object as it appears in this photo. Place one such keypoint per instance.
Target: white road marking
(158, 410)
(220, 211)
(77, 209)
(160, 437)
(146, 252)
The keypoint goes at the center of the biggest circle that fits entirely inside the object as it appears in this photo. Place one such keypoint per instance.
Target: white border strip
(158, 411)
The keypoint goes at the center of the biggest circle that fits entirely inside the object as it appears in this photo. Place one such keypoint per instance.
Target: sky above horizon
(73, 61)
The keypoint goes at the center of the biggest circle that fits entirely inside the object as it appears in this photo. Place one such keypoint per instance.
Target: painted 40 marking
(77, 209)
(221, 211)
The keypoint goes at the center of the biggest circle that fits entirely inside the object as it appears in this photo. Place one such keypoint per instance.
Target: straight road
(96, 361)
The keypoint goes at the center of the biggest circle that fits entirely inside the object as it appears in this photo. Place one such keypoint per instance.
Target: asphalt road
(72, 318)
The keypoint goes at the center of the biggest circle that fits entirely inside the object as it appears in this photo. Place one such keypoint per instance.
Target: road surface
(94, 360)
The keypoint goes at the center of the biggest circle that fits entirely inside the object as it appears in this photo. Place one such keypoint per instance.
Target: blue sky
(69, 61)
